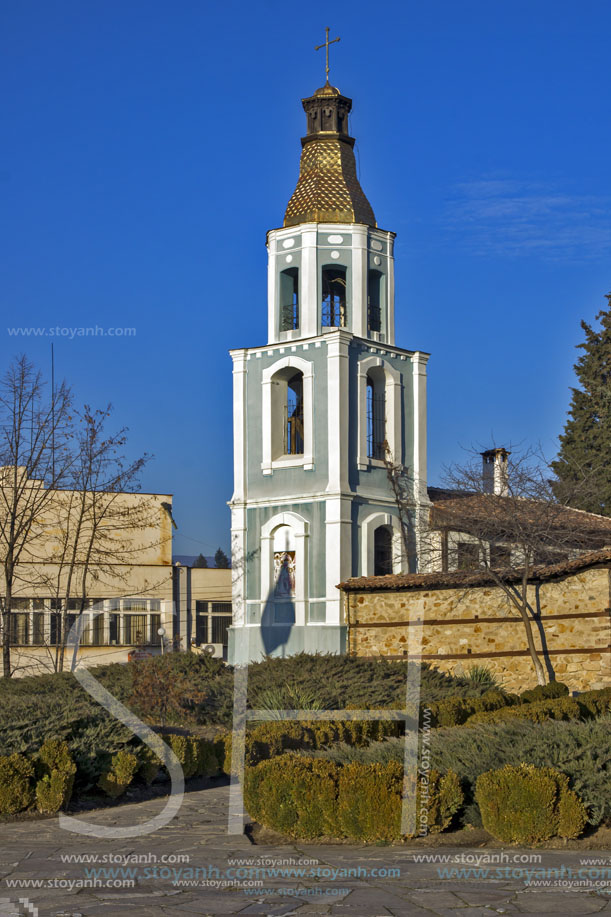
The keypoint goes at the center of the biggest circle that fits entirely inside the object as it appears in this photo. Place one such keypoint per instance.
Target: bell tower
(316, 408)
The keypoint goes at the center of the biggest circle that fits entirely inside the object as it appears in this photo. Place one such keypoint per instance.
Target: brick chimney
(495, 471)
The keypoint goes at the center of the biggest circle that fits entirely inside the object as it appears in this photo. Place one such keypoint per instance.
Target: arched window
(333, 297)
(289, 299)
(284, 563)
(293, 427)
(374, 301)
(376, 414)
(382, 551)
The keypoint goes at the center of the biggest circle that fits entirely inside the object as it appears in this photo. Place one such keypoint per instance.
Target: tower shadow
(277, 622)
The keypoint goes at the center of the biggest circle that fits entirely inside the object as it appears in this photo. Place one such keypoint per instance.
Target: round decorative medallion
(377, 246)
(335, 254)
(288, 243)
(377, 260)
(336, 240)
(288, 259)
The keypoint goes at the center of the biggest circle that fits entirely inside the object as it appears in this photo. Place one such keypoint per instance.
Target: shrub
(149, 763)
(311, 797)
(115, 781)
(595, 703)
(294, 795)
(16, 793)
(544, 692)
(453, 711)
(55, 771)
(186, 750)
(289, 697)
(527, 805)
(271, 739)
(483, 676)
(206, 759)
(562, 708)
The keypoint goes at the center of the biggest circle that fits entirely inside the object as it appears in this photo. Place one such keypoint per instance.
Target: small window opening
(376, 418)
(382, 551)
(334, 297)
(289, 299)
(293, 416)
(374, 305)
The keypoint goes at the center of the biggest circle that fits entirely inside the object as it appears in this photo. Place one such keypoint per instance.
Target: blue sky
(148, 146)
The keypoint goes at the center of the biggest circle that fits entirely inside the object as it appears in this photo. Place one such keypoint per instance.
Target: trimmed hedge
(55, 771)
(596, 703)
(310, 797)
(527, 804)
(562, 708)
(454, 711)
(116, 780)
(16, 792)
(549, 691)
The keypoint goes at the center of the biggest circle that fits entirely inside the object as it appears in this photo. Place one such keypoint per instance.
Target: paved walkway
(337, 880)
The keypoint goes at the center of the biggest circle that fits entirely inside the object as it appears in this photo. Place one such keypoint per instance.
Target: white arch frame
(307, 459)
(300, 528)
(392, 391)
(368, 527)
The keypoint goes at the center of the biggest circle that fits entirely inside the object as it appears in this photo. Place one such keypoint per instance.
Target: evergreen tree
(585, 446)
(221, 560)
(200, 561)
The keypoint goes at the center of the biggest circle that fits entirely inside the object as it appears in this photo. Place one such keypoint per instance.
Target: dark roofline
(468, 579)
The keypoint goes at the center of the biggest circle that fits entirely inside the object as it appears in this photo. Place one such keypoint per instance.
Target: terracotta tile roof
(468, 578)
(501, 517)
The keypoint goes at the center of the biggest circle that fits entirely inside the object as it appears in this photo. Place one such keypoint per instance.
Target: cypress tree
(585, 445)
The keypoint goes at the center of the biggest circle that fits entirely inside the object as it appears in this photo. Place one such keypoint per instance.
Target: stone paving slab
(180, 868)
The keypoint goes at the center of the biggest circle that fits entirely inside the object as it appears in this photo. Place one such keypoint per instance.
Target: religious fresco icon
(284, 574)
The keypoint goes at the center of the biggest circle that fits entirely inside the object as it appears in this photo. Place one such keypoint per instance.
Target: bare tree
(515, 523)
(35, 461)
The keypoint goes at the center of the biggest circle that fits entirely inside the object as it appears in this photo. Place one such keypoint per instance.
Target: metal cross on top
(325, 45)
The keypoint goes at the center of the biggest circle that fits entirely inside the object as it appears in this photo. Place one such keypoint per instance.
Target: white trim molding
(368, 528)
(393, 425)
(267, 382)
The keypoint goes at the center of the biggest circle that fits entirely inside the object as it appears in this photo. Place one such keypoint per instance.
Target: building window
(289, 299)
(382, 551)
(212, 622)
(500, 556)
(376, 416)
(20, 627)
(374, 301)
(467, 555)
(136, 632)
(334, 297)
(293, 414)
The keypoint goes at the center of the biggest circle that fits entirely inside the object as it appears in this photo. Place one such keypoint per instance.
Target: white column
(238, 564)
(419, 361)
(272, 281)
(337, 406)
(338, 553)
(309, 306)
(359, 281)
(239, 424)
(390, 292)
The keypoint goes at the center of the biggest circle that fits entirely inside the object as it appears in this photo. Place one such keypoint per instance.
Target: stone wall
(463, 626)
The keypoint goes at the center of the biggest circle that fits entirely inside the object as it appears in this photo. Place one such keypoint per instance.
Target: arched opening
(333, 297)
(374, 301)
(376, 414)
(293, 426)
(289, 299)
(382, 551)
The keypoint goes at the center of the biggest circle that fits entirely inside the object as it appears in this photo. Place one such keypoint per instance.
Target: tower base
(254, 643)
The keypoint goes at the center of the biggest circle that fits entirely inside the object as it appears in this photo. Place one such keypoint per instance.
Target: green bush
(294, 795)
(562, 708)
(527, 805)
(549, 691)
(186, 750)
(115, 781)
(453, 711)
(595, 703)
(274, 738)
(207, 761)
(483, 676)
(149, 763)
(55, 771)
(16, 793)
(309, 797)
